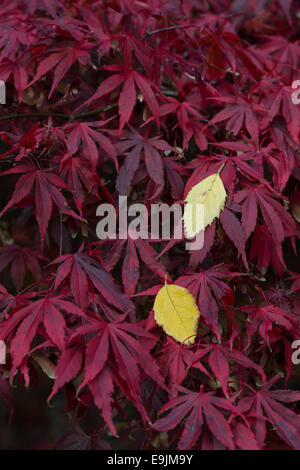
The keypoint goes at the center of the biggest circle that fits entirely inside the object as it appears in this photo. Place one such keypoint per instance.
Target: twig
(168, 28)
(71, 117)
(60, 234)
(17, 116)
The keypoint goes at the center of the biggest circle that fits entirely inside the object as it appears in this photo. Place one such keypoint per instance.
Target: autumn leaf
(87, 135)
(48, 186)
(24, 322)
(61, 60)
(175, 310)
(211, 194)
(197, 408)
(84, 271)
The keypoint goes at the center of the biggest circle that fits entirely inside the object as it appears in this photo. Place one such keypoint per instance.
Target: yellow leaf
(175, 310)
(209, 195)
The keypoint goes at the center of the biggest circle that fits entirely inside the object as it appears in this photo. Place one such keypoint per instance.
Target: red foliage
(146, 99)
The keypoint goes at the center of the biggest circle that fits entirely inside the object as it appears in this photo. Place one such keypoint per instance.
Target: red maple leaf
(86, 135)
(219, 360)
(208, 287)
(21, 258)
(265, 402)
(140, 145)
(61, 59)
(48, 187)
(111, 347)
(77, 174)
(197, 408)
(129, 79)
(238, 114)
(85, 271)
(130, 270)
(263, 318)
(23, 325)
(279, 221)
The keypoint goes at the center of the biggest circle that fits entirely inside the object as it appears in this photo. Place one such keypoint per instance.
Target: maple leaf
(283, 53)
(173, 171)
(269, 402)
(226, 48)
(47, 191)
(279, 222)
(281, 100)
(203, 285)
(219, 357)
(136, 48)
(234, 230)
(47, 5)
(83, 270)
(130, 268)
(20, 257)
(23, 324)
(97, 28)
(79, 440)
(197, 408)
(243, 436)
(175, 360)
(139, 145)
(68, 27)
(10, 302)
(188, 119)
(113, 342)
(78, 175)
(68, 366)
(197, 256)
(243, 162)
(240, 112)
(15, 31)
(265, 250)
(23, 143)
(127, 99)
(262, 319)
(86, 135)
(62, 59)
(296, 282)
(18, 69)
(182, 108)
(194, 128)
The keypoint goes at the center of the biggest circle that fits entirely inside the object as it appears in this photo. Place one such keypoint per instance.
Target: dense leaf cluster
(146, 99)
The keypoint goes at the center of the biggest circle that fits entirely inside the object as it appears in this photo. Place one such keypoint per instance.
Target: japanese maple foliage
(145, 99)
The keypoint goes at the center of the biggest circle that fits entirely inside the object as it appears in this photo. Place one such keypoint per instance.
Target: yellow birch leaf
(211, 194)
(176, 311)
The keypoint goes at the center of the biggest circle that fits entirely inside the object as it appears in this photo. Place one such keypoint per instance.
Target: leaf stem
(221, 168)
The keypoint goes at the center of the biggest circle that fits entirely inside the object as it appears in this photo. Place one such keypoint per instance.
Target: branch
(17, 116)
(70, 117)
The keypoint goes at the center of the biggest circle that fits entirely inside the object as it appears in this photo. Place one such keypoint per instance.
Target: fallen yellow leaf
(211, 194)
(176, 311)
